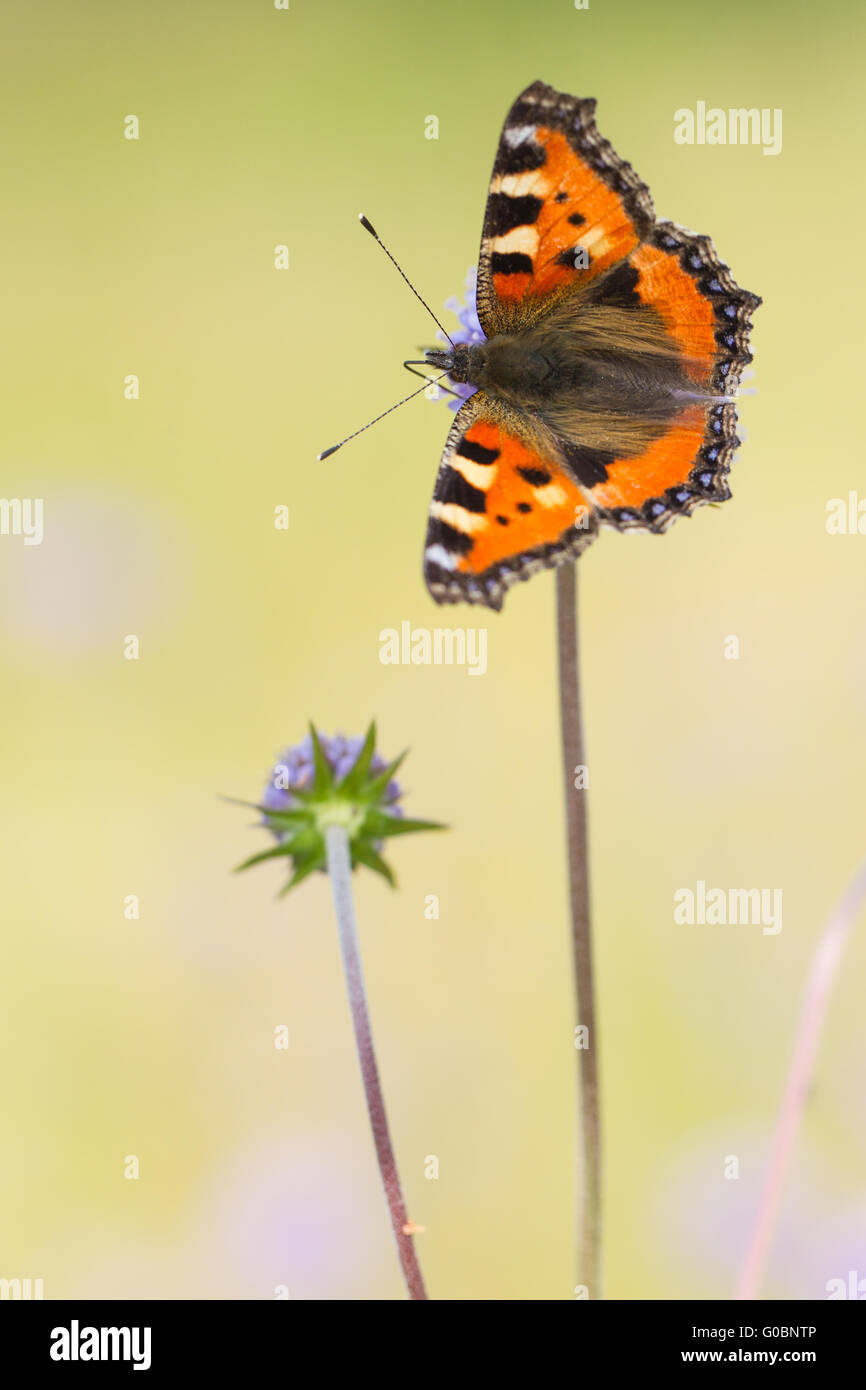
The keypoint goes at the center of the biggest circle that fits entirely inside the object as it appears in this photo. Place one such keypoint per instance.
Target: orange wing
(504, 507)
(562, 208)
(704, 310)
(685, 466)
(709, 317)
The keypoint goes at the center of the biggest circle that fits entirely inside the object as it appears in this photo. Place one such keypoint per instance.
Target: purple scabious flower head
(324, 781)
(470, 331)
(294, 771)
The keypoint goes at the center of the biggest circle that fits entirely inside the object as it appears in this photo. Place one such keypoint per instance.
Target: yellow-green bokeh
(155, 257)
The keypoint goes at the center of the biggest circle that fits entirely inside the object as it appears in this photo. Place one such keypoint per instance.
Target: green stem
(589, 1169)
(340, 872)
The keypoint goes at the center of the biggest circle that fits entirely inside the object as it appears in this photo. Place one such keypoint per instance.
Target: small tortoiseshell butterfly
(614, 346)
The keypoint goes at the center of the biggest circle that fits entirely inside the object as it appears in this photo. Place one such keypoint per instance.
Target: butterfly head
(464, 362)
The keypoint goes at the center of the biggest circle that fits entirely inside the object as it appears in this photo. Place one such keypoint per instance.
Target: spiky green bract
(333, 781)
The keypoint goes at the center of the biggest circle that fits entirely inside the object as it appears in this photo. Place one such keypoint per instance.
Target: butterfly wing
(709, 318)
(562, 208)
(504, 506)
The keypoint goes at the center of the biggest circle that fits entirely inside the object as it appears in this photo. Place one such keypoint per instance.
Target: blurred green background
(155, 1037)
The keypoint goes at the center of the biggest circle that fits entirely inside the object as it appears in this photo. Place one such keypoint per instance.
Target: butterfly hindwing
(708, 316)
(705, 312)
(503, 507)
(668, 478)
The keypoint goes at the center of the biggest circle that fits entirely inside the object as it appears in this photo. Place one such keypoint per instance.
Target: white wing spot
(459, 517)
(516, 185)
(480, 475)
(522, 239)
(551, 495)
(515, 135)
(438, 555)
(594, 238)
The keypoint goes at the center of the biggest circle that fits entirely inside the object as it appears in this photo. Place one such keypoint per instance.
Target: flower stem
(822, 974)
(589, 1168)
(340, 872)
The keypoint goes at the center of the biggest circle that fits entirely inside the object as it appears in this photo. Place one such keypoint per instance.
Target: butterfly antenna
(365, 222)
(326, 453)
